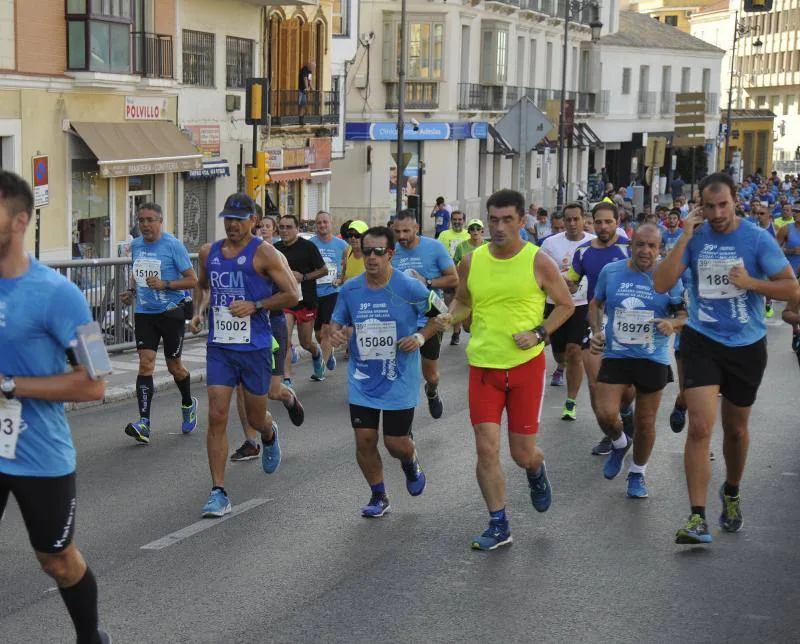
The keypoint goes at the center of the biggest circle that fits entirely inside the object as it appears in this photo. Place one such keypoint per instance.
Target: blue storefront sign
(427, 131)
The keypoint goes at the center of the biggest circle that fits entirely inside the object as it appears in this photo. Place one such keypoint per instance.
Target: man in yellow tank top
(504, 285)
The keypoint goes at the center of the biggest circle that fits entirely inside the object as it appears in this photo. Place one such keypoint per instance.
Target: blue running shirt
(670, 239)
(166, 259)
(718, 309)
(589, 261)
(39, 314)
(332, 252)
(632, 304)
(380, 375)
(429, 258)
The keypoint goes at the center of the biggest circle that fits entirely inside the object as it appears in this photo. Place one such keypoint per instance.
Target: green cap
(474, 222)
(359, 226)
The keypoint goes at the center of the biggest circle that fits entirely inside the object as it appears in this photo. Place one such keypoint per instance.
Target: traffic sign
(524, 126)
(656, 148)
(41, 181)
(690, 120)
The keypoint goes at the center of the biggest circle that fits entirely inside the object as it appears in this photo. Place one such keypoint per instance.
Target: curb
(116, 394)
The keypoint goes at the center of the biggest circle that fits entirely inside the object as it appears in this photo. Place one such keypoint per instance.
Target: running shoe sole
(131, 431)
(219, 513)
(297, 413)
(686, 539)
(499, 544)
(376, 516)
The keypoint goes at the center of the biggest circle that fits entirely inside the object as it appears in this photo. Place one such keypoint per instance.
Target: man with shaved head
(635, 349)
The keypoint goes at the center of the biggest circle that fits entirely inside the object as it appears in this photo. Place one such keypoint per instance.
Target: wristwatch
(429, 283)
(259, 306)
(419, 338)
(541, 333)
(168, 285)
(8, 387)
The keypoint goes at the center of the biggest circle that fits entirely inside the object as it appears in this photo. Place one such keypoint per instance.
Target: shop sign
(206, 138)
(152, 166)
(294, 157)
(151, 108)
(275, 158)
(426, 131)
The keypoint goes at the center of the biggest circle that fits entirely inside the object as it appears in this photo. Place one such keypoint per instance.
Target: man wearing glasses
(162, 273)
(383, 306)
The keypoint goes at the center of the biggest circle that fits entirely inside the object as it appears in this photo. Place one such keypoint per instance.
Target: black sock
(731, 490)
(185, 387)
(220, 488)
(270, 441)
(699, 509)
(144, 394)
(431, 390)
(81, 602)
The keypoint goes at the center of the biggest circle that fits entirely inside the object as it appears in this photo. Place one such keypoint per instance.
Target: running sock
(81, 602)
(144, 394)
(570, 404)
(731, 490)
(621, 442)
(699, 509)
(626, 411)
(271, 441)
(253, 442)
(498, 516)
(637, 469)
(220, 488)
(378, 488)
(431, 390)
(185, 387)
(534, 475)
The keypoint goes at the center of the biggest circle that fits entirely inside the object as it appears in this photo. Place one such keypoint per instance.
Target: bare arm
(550, 280)
(449, 279)
(782, 286)
(313, 275)
(595, 315)
(75, 386)
(269, 264)
(201, 292)
(461, 306)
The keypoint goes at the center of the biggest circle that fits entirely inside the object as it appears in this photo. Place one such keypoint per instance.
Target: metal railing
(647, 104)
(585, 103)
(604, 103)
(152, 55)
(102, 282)
(419, 96)
(287, 106)
(487, 98)
(667, 103)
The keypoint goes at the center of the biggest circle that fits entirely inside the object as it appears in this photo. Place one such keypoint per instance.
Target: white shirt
(561, 249)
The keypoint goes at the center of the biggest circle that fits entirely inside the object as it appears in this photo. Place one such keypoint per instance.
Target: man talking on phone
(734, 265)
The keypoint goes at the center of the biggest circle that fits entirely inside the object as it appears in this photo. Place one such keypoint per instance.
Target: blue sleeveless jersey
(236, 279)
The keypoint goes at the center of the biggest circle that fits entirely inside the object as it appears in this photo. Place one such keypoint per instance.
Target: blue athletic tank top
(793, 241)
(236, 279)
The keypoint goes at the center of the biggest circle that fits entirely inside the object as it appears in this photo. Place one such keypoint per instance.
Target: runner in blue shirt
(669, 236)
(40, 312)
(243, 279)
(162, 273)
(763, 219)
(333, 251)
(734, 265)
(441, 216)
(430, 262)
(635, 348)
(383, 306)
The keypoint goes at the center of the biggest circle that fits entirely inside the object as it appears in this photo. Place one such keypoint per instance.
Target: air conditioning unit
(233, 102)
(360, 81)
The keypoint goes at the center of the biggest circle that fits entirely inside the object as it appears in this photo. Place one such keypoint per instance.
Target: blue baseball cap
(238, 206)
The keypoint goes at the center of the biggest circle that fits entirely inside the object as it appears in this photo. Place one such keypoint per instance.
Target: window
(672, 21)
(532, 64)
(788, 103)
(548, 67)
(761, 102)
(494, 55)
(99, 35)
(626, 80)
(425, 49)
(341, 9)
(706, 80)
(773, 103)
(686, 79)
(238, 61)
(520, 61)
(198, 58)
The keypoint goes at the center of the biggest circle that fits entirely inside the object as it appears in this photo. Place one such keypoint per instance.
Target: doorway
(140, 191)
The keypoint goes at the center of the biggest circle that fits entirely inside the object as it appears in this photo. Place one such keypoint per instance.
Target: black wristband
(544, 336)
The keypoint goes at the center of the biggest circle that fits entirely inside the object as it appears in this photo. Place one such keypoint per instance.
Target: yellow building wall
(753, 127)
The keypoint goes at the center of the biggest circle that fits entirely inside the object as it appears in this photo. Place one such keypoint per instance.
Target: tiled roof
(641, 31)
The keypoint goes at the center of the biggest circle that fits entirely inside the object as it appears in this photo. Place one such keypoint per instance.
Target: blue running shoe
(287, 382)
(541, 490)
(139, 431)
(378, 506)
(603, 447)
(558, 378)
(319, 368)
(614, 461)
(496, 535)
(731, 518)
(218, 504)
(295, 355)
(271, 454)
(331, 363)
(637, 487)
(677, 420)
(694, 532)
(189, 417)
(415, 477)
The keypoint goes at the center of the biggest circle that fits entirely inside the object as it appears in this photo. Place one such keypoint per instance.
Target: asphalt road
(299, 564)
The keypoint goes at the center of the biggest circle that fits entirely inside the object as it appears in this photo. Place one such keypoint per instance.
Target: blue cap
(238, 206)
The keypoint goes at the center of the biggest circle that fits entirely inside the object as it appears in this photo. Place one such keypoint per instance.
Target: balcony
(647, 104)
(667, 103)
(494, 98)
(585, 103)
(322, 108)
(604, 103)
(482, 98)
(278, 3)
(712, 104)
(151, 55)
(419, 96)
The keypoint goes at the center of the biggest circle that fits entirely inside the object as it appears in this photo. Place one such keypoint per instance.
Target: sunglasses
(472, 229)
(380, 251)
(353, 236)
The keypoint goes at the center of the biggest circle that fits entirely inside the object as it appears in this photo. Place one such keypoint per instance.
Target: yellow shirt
(506, 299)
(780, 222)
(451, 239)
(353, 266)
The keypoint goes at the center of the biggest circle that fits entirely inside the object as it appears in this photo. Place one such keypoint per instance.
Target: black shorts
(572, 331)
(449, 291)
(281, 335)
(396, 422)
(737, 371)
(432, 348)
(47, 504)
(325, 306)
(150, 328)
(646, 375)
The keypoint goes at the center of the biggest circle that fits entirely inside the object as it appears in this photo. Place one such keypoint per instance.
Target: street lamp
(739, 30)
(571, 9)
(401, 107)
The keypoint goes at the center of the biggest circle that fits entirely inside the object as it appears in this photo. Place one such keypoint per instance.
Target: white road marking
(788, 473)
(200, 526)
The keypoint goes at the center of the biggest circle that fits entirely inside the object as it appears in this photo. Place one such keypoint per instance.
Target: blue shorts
(227, 368)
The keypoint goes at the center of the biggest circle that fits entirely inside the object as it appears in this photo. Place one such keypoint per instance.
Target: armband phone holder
(90, 351)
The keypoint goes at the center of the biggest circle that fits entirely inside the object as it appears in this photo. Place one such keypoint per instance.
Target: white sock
(621, 442)
(637, 469)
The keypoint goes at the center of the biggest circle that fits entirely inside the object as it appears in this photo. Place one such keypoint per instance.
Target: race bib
(633, 327)
(229, 329)
(10, 427)
(713, 282)
(333, 272)
(144, 268)
(582, 292)
(453, 245)
(376, 340)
